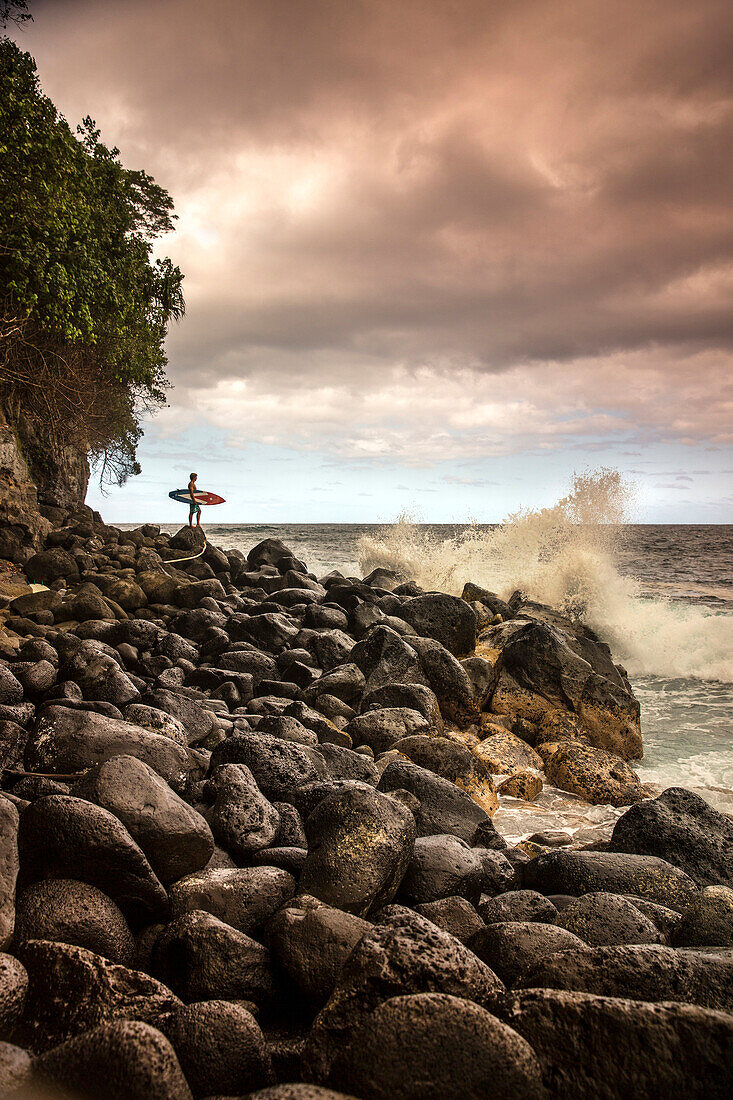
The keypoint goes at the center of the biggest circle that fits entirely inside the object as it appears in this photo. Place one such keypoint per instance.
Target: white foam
(567, 556)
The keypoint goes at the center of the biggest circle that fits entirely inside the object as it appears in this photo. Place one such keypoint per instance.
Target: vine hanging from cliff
(84, 307)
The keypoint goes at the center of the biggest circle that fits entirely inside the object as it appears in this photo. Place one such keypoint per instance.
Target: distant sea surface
(662, 596)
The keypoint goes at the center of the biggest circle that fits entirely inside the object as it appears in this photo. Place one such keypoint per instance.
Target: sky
(439, 254)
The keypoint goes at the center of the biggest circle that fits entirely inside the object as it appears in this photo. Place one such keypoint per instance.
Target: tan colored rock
(506, 754)
(598, 776)
(524, 784)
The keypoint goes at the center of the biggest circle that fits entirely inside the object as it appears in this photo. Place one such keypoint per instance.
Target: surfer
(194, 508)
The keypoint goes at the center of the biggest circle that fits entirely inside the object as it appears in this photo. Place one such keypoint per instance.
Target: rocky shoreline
(247, 845)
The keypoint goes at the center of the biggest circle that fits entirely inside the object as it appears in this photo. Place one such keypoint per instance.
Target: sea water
(661, 596)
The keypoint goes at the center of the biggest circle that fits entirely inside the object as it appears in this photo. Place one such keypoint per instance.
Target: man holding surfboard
(194, 508)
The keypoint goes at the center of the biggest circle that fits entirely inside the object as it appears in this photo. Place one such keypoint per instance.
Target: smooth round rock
(603, 920)
(74, 912)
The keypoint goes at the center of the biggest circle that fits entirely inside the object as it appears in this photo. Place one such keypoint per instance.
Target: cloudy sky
(438, 253)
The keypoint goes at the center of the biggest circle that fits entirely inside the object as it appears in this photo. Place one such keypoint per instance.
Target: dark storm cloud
(374, 187)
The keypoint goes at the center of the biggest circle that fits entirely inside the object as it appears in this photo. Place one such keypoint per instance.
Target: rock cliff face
(39, 482)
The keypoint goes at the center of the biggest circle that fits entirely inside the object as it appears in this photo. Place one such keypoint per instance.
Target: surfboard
(200, 496)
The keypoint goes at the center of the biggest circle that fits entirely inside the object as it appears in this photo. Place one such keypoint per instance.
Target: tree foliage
(84, 307)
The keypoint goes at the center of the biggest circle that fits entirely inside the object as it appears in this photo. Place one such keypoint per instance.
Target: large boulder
(444, 808)
(513, 949)
(65, 837)
(175, 838)
(278, 766)
(244, 897)
(442, 867)
(405, 697)
(611, 1048)
(455, 762)
(73, 912)
(242, 819)
(708, 919)
(603, 919)
(125, 1058)
(311, 946)
(447, 619)
(684, 829)
(201, 958)
(65, 740)
(573, 872)
(71, 990)
(404, 954)
(506, 754)
(596, 775)
(541, 672)
(432, 1045)
(197, 721)
(641, 972)
(449, 680)
(8, 869)
(381, 729)
(359, 845)
(51, 565)
(386, 658)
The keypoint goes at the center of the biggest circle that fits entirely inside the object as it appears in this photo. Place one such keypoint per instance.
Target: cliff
(41, 484)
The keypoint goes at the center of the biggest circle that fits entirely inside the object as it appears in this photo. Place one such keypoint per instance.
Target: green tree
(84, 307)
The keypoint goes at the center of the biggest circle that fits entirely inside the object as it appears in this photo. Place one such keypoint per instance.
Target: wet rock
(513, 949)
(405, 697)
(602, 920)
(382, 729)
(517, 905)
(441, 866)
(66, 741)
(65, 837)
(444, 808)
(201, 958)
(598, 776)
(71, 990)
(668, 1049)
(278, 766)
(121, 1059)
(541, 672)
(8, 869)
(506, 754)
(641, 973)
(707, 920)
(359, 845)
(243, 897)
(684, 829)
(571, 872)
(404, 954)
(13, 989)
(454, 915)
(175, 839)
(220, 1047)
(242, 819)
(523, 784)
(447, 619)
(455, 762)
(73, 912)
(312, 945)
(456, 1051)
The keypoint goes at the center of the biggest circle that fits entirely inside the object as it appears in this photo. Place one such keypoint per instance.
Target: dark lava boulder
(122, 1059)
(454, 761)
(197, 721)
(278, 766)
(242, 819)
(381, 729)
(359, 845)
(71, 990)
(610, 1049)
(573, 872)
(448, 619)
(13, 989)
(220, 1047)
(708, 919)
(444, 808)
(684, 829)
(405, 697)
(244, 897)
(449, 680)
(434, 1047)
(312, 945)
(514, 948)
(643, 972)
(541, 672)
(175, 838)
(201, 958)
(517, 905)
(454, 915)
(404, 954)
(602, 920)
(441, 867)
(51, 565)
(77, 913)
(385, 657)
(65, 837)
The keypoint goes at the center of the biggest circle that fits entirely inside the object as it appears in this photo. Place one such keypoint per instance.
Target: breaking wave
(567, 556)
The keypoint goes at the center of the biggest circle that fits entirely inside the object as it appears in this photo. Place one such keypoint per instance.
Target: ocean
(661, 596)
